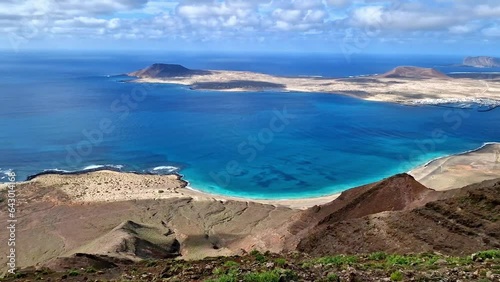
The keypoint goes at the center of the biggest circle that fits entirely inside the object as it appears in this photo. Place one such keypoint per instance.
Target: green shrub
(332, 277)
(268, 276)
(280, 261)
(218, 271)
(260, 258)
(151, 263)
(234, 271)
(397, 276)
(491, 254)
(338, 260)
(307, 264)
(73, 273)
(459, 260)
(403, 260)
(288, 275)
(254, 252)
(19, 275)
(90, 270)
(378, 256)
(224, 278)
(231, 263)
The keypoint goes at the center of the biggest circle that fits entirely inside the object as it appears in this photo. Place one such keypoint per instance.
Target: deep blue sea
(71, 111)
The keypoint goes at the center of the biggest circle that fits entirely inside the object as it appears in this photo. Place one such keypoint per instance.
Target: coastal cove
(261, 145)
(440, 174)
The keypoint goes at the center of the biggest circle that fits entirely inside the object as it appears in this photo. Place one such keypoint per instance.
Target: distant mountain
(413, 72)
(166, 71)
(482, 62)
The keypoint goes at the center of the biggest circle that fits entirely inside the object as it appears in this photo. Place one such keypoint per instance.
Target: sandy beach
(111, 186)
(460, 170)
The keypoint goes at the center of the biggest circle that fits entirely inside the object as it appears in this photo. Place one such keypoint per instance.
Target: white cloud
(368, 16)
(410, 17)
(488, 10)
(463, 29)
(261, 20)
(315, 16)
(114, 23)
(288, 16)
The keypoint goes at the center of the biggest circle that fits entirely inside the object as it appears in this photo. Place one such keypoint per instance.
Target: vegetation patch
(481, 266)
(397, 276)
(338, 260)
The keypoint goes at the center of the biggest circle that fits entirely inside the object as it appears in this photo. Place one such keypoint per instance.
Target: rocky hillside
(462, 221)
(266, 267)
(374, 226)
(400, 192)
(482, 62)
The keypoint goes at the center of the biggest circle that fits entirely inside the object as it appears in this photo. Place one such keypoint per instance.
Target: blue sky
(334, 26)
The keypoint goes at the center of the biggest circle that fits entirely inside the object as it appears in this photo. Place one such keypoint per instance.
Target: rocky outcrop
(134, 241)
(166, 71)
(482, 62)
(414, 72)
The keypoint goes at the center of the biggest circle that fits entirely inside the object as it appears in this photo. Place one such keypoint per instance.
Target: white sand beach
(460, 170)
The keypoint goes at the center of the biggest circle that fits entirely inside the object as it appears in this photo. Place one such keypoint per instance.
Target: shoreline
(485, 144)
(299, 203)
(175, 186)
(461, 169)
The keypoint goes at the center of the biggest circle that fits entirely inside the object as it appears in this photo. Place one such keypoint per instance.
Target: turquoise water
(71, 112)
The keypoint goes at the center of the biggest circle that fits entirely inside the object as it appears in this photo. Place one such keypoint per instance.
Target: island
(405, 84)
(482, 62)
(167, 71)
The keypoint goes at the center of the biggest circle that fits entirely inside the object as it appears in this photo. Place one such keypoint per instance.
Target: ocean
(71, 111)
